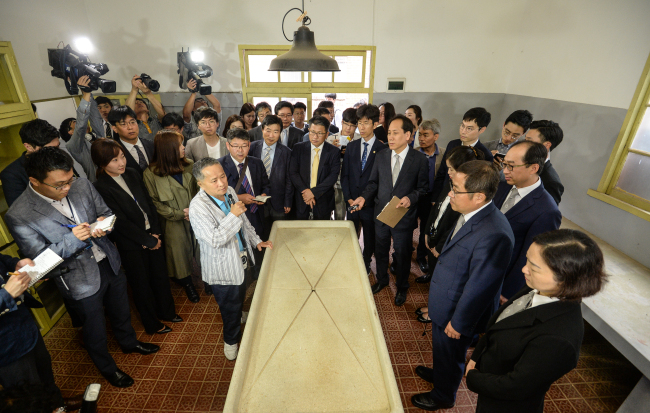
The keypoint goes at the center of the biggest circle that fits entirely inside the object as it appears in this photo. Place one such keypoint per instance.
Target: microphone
(231, 199)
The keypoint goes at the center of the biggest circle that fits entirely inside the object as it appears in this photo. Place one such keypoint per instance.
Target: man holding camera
(193, 104)
(148, 125)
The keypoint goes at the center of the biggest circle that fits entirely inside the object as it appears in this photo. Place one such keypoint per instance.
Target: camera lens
(152, 84)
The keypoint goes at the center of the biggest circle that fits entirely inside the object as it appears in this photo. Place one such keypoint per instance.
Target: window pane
(293, 101)
(368, 64)
(321, 77)
(290, 76)
(269, 100)
(351, 69)
(642, 139)
(7, 84)
(258, 67)
(634, 176)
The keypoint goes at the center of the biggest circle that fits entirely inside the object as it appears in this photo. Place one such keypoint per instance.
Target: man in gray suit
(54, 212)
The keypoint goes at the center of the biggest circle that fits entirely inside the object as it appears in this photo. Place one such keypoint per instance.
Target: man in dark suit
(276, 159)
(474, 123)
(314, 169)
(299, 114)
(403, 173)
(530, 210)
(255, 181)
(329, 105)
(138, 152)
(549, 134)
(464, 291)
(55, 212)
(357, 164)
(290, 135)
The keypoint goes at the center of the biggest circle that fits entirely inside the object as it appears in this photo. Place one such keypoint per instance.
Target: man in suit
(314, 169)
(255, 181)
(329, 105)
(549, 134)
(318, 112)
(55, 212)
(299, 115)
(190, 129)
(530, 210)
(104, 106)
(276, 159)
(404, 173)
(464, 290)
(474, 123)
(349, 123)
(138, 152)
(513, 131)
(209, 143)
(358, 161)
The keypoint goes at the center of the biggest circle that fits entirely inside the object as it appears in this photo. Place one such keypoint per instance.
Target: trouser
(146, 272)
(448, 364)
(424, 208)
(367, 223)
(34, 368)
(112, 295)
(403, 243)
(230, 299)
(339, 204)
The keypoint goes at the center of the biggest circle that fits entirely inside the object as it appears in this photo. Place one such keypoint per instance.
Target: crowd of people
(188, 200)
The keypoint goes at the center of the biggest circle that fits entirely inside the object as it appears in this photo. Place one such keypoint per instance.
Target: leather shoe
(164, 330)
(424, 267)
(192, 295)
(73, 403)
(378, 287)
(119, 379)
(142, 348)
(400, 298)
(425, 373)
(424, 320)
(419, 311)
(176, 319)
(425, 402)
(423, 279)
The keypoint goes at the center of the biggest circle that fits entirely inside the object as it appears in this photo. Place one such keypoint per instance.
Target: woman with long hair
(414, 113)
(386, 113)
(248, 114)
(233, 121)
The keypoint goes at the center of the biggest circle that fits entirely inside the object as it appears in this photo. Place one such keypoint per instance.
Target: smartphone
(499, 157)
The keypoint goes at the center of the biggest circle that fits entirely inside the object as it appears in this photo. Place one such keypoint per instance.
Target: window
(625, 181)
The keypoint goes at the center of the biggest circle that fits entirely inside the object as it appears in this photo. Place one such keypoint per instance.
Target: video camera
(189, 69)
(150, 83)
(70, 66)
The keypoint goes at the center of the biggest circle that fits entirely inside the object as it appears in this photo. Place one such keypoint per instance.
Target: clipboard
(391, 215)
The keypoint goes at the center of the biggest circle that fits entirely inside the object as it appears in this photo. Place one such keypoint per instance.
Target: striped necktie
(364, 157)
(247, 188)
(267, 161)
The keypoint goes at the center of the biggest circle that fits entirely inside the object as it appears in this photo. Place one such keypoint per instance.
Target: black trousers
(33, 368)
(424, 208)
(367, 223)
(403, 244)
(146, 272)
(448, 364)
(231, 301)
(112, 296)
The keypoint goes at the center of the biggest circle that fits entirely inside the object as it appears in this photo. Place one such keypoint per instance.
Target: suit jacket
(14, 179)
(196, 148)
(519, 357)
(353, 179)
(552, 183)
(129, 232)
(328, 173)
(491, 145)
(442, 175)
(467, 279)
(130, 160)
(78, 146)
(534, 214)
(381, 134)
(256, 133)
(36, 226)
(413, 182)
(295, 136)
(438, 235)
(280, 186)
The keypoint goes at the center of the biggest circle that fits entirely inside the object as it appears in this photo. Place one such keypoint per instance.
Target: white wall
(586, 51)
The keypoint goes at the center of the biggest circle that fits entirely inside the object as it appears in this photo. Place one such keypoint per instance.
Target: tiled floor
(190, 373)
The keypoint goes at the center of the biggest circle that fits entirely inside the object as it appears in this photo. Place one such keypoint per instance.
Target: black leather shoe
(378, 287)
(192, 295)
(424, 267)
(142, 348)
(423, 279)
(176, 319)
(400, 298)
(419, 311)
(73, 403)
(424, 320)
(425, 373)
(392, 268)
(425, 402)
(119, 379)
(164, 330)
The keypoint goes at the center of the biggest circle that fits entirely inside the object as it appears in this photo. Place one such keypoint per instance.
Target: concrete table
(313, 341)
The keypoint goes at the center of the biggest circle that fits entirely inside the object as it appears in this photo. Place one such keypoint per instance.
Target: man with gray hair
(226, 239)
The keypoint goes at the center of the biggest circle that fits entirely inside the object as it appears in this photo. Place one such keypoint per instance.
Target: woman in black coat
(535, 338)
(136, 235)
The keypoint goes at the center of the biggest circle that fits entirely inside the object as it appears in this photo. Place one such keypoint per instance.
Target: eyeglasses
(235, 147)
(286, 115)
(467, 128)
(127, 124)
(210, 122)
(349, 125)
(453, 191)
(512, 167)
(507, 133)
(58, 188)
(365, 123)
(318, 134)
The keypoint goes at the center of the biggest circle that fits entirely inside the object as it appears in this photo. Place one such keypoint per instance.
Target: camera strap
(241, 175)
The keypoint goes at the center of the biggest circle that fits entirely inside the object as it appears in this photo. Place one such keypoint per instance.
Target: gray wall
(231, 102)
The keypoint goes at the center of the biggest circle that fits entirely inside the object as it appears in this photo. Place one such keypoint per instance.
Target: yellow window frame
(607, 191)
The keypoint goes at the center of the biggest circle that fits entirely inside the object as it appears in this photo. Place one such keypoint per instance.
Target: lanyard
(241, 231)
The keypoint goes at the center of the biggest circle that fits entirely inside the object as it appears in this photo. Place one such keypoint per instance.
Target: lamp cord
(306, 21)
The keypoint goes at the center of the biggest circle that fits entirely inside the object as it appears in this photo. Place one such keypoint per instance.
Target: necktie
(396, 168)
(247, 187)
(142, 162)
(267, 161)
(512, 199)
(459, 224)
(364, 157)
(517, 306)
(314, 170)
(109, 131)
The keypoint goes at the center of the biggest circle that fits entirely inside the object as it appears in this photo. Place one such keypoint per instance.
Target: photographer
(148, 125)
(192, 105)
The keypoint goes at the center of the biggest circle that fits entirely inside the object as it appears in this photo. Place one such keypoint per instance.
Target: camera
(150, 83)
(70, 66)
(189, 69)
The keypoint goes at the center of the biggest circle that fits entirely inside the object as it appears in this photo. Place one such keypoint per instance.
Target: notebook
(105, 225)
(43, 264)
(261, 198)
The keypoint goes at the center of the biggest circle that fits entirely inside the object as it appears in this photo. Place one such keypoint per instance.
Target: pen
(68, 226)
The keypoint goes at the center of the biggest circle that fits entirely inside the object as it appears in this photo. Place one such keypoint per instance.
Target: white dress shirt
(122, 183)
(370, 142)
(130, 147)
(539, 299)
(524, 191)
(248, 173)
(471, 214)
(442, 210)
(402, 156)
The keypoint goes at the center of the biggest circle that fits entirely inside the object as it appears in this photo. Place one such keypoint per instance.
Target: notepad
(391, 215)
(261, 198)
(43, 264)
(105, 225)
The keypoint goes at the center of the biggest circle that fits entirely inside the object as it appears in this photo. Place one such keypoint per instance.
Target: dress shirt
(63, 206)
(471, 214)
(271, 154)
(442, 210)
(313, 153)
(130, 147)
(225, 207)
(122, 183)
(248, 173)
(432, 165)
(370, 142)
(471, 144)
(503, 148)
(402, 156)
(525, 191)
(539, 299)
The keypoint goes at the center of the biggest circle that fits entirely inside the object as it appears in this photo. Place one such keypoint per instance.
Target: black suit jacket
(130, 161)
(552, 183)
(295, 136)
(14, 179)
(519, 357)
(329, 167)
(413, 182)
(442, 175)
(280, 186)
(129, 232)
(438, 235)
(353, 179)
(381, 134)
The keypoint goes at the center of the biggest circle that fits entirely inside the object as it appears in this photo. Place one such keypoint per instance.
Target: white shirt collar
(402, 154)
(236, 162)
(527, 190)
(319, 147)
(471, 144)
(264, 145)
(370, 142)
(129, 146)
(48, 200)
(469, 215)
(548, 157)
(539, 299)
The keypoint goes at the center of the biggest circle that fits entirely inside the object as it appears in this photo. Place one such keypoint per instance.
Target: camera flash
(197, 56)
(83, 45)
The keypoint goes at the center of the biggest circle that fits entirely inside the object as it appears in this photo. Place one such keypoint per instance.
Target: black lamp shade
(304, 56)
